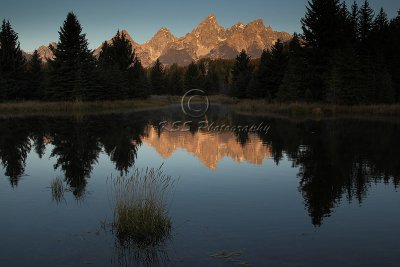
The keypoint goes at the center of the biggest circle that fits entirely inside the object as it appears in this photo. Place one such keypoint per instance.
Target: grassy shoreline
(79, 107)
(255, 107)
(315, 109)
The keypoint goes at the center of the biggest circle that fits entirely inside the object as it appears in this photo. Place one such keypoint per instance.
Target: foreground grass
(239, 105)
(140, 214)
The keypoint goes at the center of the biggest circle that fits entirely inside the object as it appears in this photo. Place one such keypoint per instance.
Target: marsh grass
(314, 109)
(141, 215)
(259, 106)
(57, 189)
(81, 107)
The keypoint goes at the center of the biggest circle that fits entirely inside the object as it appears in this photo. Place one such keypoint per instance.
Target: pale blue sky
(37, 22)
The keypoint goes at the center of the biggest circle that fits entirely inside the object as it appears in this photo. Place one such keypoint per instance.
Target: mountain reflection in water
(336, 158)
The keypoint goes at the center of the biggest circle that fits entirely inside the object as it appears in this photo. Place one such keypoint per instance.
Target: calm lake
(292, 192)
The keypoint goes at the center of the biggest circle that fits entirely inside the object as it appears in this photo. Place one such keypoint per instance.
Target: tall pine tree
(192, 77)
(275, 70)
(293, 83)
(365, 23)
(35, 76)
(72, 75)
(115, 63)
(394, 52)
(157, 78)
(175, 80)
(322, 33)
(345, 80)
(12, 64)
(258, 85)
(241, 75)
(139, 86)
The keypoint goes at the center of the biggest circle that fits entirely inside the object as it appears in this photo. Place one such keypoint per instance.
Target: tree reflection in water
(338, 159)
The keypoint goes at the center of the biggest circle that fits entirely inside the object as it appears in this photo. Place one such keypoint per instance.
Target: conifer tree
(139, 86)
(175, 80)
(275, 70)
(353, 22)
(2, 87)
(35, 75)
(122, 51)
(293, 83)
(380, 32)
(345, 18)
(321, 24)
(192, 77)
(110, 78)
(258, 85)
(381, 22)
(394, 52)
(204, 67)
(384, 91)
(12, 64)
(322, 33)
(366, 19)
(345, 80)
(211, 84)
(349, 18)
(157, 78)
(106, 56)
(116, 61)
(72, 75)
(366, 59)
(241, 75)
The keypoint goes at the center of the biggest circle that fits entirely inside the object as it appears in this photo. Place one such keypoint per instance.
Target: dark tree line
(74, 73)
(345, 55)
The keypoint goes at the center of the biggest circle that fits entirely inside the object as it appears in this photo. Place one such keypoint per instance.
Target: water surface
(305, 192)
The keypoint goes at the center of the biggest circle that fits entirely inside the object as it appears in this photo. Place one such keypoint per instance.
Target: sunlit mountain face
(207, 40)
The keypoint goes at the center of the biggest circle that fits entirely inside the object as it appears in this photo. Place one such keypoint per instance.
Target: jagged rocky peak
(164, 33)
(257, 23)
(210, 19)
(209, 29)
(45, 53)
(128, 37)
(210, 25)
(208, 39)
(257, 26)
(239, 25)
(153, 48)
(164, 30)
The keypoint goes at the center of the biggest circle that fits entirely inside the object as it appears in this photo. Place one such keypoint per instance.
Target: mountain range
(207, 40)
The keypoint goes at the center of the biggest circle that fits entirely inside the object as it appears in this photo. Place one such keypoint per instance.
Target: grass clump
(57, 189)
(141, 214)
